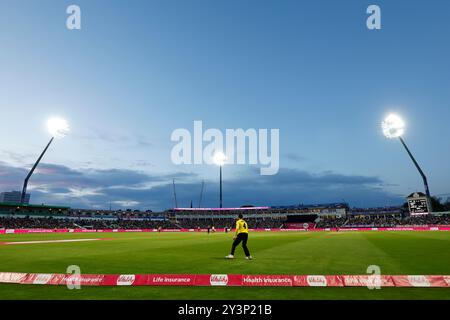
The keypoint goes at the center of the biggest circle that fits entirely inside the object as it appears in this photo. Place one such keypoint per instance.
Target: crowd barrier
(425, 228)
(371, 281)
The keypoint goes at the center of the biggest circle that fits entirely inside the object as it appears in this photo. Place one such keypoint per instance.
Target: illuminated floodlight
(393, 126)
(58, 127)
(219, 158)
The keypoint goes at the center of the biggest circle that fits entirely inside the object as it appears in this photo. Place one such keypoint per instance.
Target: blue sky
(140, 69)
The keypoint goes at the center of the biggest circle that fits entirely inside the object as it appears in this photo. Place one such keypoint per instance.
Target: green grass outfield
(400, 252)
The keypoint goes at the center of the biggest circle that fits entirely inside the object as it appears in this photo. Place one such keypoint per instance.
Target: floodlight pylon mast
(220, 186)
(201, 195)
(25, 183)
(425, 181)
(175, 194)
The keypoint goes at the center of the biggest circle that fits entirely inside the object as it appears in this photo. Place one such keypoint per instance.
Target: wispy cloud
(117, 139)
(58, 184)
(18, 158)
(126, 203)
(295, 157)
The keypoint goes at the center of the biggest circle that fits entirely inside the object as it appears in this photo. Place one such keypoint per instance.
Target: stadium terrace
(325, 216)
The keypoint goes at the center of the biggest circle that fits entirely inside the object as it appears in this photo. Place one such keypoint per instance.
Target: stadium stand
(262, 223)
(380, 221)
(33, 210)
(67, 223)
(316, 216)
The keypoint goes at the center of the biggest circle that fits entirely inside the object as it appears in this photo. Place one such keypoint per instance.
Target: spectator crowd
(351, 221)
(380, 221)
(65, 223)
(68, 223)
(253, 223)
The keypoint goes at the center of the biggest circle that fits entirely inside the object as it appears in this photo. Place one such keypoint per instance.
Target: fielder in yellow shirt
(240, 236)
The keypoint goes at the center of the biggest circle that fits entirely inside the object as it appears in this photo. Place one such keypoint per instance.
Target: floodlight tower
(58, 128)
(394, 127)
(220, 159)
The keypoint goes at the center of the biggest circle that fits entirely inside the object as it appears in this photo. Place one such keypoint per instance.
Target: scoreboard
(418, 206)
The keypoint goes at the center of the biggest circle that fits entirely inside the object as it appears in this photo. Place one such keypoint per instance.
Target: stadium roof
(32, 206)
(324, 205)
(220, 209)
(320, 205)
(417, 195)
